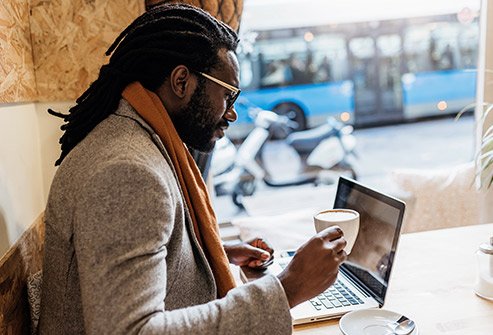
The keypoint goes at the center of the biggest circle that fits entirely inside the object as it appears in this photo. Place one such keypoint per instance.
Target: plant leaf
(486, 164)
(486, 112)
(485, 156)
(486, 171)
(487, 138)
(486, 145)
(487, 179)
(488, 132)
(484, 177)
(465, 109)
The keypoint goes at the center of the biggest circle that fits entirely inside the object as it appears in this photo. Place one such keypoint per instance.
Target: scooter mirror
(347, 130)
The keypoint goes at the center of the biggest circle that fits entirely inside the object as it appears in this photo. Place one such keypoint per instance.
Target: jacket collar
(126, 110)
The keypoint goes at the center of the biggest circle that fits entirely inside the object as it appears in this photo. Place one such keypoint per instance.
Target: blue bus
(370, 66)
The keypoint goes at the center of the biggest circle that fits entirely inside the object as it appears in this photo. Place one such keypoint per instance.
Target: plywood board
(22, 260)
(69, 40)
(228, 11)
(17, 80)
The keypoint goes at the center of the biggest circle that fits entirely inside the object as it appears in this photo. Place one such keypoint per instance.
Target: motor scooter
(324, 153)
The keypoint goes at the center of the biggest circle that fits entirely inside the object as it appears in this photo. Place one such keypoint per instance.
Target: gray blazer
(121, 256)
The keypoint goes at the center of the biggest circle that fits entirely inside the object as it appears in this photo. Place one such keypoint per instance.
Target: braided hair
(147, 51)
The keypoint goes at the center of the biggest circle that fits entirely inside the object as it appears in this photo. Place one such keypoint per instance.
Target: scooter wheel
(295, 113)
(243, 188)
(247, 187)
(237, 200)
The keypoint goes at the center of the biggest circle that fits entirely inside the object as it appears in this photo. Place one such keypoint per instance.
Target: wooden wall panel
(228, 11)
(17, 80)
(69, 40)
(23, 259)
(56, 52)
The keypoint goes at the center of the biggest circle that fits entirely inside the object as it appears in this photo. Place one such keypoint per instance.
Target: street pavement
(422, 145)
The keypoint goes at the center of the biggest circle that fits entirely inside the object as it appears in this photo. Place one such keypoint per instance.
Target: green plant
(484, 156)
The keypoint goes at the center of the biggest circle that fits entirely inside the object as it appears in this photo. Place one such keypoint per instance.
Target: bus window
(246, 71)
(330, 61)
(277, 59)
(417, 42)
(443, 45)
(362, 47)
(389, 60)
(363, 51)
(431, 47)
(432, 86)
(365, 77)
(389, 47)
(468, 46)
(296, 60)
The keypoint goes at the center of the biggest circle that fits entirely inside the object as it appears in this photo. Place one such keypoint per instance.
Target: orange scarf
(150, 108)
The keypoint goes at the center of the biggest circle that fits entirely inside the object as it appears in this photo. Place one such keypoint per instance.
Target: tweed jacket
(121, 256)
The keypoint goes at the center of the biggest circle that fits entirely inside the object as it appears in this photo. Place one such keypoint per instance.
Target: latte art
(336, 215)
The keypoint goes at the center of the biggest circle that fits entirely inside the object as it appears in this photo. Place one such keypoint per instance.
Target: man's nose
(231, 115)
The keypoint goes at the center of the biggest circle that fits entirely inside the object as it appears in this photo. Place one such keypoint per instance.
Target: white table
(432, 283)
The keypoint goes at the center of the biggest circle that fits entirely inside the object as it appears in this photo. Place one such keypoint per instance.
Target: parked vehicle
(387, 64)
(324, 153)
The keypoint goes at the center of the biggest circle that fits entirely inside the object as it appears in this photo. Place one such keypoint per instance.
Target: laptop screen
(373, 253)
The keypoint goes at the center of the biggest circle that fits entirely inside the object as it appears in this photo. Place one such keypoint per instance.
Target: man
(131, 239)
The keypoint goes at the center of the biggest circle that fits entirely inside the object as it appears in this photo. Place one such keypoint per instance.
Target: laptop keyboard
(338, 295)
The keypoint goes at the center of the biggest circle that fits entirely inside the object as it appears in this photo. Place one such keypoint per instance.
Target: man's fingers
(341, 256)
(331, 233)
(266, 246)
(255, 264)
(339, 244)
(258, 253)
(260, 264)
(261, 243)
(263, 255)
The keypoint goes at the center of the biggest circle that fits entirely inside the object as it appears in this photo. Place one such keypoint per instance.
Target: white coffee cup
(346, 219)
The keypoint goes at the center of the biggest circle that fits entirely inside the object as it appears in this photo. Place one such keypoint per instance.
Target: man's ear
(181, 81)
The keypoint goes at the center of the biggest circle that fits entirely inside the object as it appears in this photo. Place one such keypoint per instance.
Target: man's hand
(253, 253)
(314, 266)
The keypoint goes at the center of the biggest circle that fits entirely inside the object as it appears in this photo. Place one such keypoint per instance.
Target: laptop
(364, 278)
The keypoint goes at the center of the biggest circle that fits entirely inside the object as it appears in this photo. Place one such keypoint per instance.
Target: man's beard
(196, 122)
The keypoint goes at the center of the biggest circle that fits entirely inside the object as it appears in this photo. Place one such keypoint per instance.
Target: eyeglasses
(235, 92)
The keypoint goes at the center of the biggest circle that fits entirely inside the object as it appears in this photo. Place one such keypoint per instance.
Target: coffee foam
(335, 216)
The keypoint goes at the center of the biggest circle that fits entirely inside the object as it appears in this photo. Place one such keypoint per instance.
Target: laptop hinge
(359, 284)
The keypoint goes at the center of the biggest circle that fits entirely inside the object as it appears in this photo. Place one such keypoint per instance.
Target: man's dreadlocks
(147, 51)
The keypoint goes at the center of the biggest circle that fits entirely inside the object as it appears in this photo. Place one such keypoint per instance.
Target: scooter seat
(308, 178)
(305, 141)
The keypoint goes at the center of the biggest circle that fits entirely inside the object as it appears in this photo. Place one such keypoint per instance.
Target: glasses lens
(232, 99)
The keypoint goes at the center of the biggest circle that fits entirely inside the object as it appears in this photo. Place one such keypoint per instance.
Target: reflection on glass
(372, 254)
(306, 59)
(441, 46)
